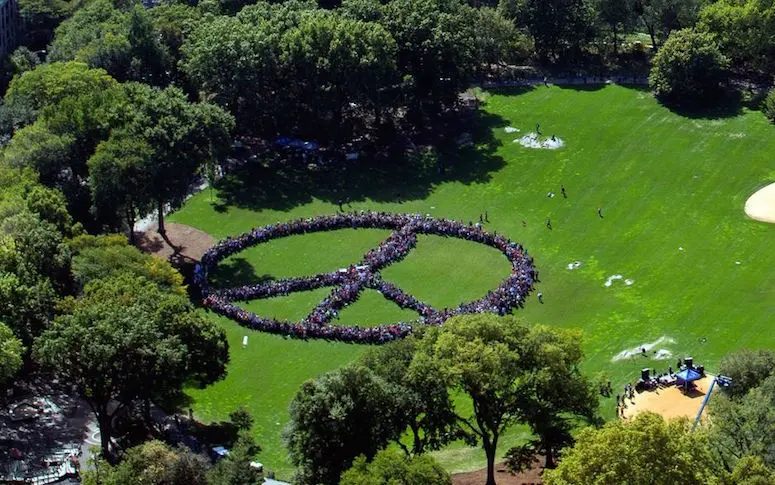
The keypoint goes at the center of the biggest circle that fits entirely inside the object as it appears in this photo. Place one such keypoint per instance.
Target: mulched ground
(190, 243)
(502, 477)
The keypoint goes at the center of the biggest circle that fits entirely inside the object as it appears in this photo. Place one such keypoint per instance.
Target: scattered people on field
(540, 297)
(550, 195)
(549, 223)
(564, 193)
(524, 223)
(600, 212)
(546, 82)
(486, 217)
(538, 128)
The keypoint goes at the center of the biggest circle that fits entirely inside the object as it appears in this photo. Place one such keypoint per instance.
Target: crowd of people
(349, 282)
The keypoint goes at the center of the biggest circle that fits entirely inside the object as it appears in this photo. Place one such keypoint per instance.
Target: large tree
(333, 63)
(126, 339)
(120, 180)
(99, 257)
(48, 84)
(435, 41)
(421, 389)
(336, 417)
(747, 369)
(645, 449)
(661, 17)
(745, 30)
(689, 69)
(511, 373)
(745, 425)
(226, 54)
(559, 26)
(618, 15)
(181, 136)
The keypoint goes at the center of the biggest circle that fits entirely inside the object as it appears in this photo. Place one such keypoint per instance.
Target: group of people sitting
(351, 281)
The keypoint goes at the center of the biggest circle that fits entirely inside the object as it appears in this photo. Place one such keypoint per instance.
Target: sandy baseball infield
(761, 205)
(671, 402)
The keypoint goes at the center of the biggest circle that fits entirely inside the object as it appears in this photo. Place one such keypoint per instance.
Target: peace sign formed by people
(348, 282)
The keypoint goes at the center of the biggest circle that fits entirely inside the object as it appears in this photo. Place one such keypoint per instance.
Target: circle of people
(349, 282)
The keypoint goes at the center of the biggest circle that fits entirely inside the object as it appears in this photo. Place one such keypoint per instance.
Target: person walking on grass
(538, 128)
(549, 223)
(486, 217)
(564, 194)
(600, 212)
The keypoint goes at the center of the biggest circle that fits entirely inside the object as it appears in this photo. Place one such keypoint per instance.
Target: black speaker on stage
(644, 374)
(689, 362)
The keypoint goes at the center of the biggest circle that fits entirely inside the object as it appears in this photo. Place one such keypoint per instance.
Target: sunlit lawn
(672, 190)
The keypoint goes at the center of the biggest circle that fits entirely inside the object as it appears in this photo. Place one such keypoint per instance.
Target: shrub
(768, 107)
(689, 69)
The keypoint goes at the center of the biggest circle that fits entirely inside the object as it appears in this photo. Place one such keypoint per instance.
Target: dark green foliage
(689, 69)
(747, 369)
(559, 27)
(426, 406)
(512, 373)
(126, 339)
(768, 106)
(242, 419)
(236, 468)
(335, 418)
(744, 425)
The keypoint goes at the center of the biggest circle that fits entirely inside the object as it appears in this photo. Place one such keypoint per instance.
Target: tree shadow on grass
(511, 90)
(236, 271)
(727, 105)
(382, 177)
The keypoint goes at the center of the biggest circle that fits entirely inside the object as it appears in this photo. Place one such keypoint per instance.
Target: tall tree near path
(503, 366)
(182, 137)
(126, 339)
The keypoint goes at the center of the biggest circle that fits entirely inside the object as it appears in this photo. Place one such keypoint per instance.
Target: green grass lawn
(665, 181)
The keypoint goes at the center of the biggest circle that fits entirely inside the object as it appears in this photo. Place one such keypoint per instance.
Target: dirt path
(502, 477)
(191, 242)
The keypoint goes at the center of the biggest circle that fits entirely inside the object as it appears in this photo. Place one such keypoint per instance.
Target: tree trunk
(653, 38)
(160, 208)
(103, 420)
(489, 450)
(549, 458)
(131, 221)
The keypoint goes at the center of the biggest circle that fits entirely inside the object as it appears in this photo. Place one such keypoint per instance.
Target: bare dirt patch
(502, 477)
(761, 205)
(671, 402)
(190, 243)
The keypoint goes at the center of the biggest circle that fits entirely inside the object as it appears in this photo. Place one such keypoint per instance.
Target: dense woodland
(111, 110)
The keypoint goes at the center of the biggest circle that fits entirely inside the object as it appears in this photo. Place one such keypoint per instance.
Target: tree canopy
(390, 467)
(126, 339)
(689, 69)
(11, 352)
(337, 417)
(511, 373)
(646, 449)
